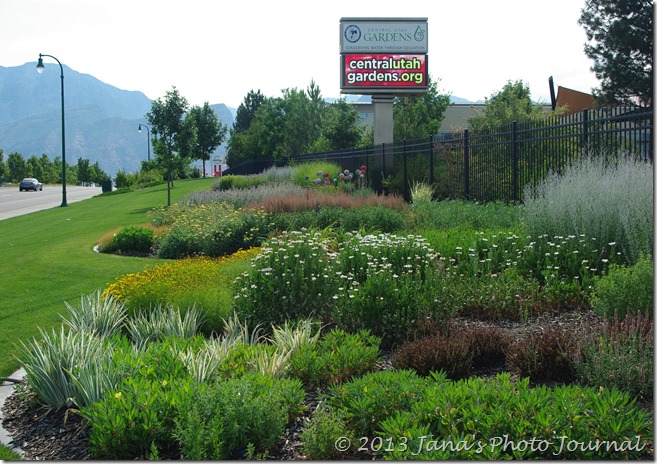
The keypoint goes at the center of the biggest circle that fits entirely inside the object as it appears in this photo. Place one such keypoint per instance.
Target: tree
(512, 103)
(247, 110)
(51, 172)
(84, 170)
(3, 167)
(166, 120)
(209, 132)
(620, 42)
(340, 126)
(240, 147)
(97, 175)
(16, 166)
(281, 128)
(419, 116)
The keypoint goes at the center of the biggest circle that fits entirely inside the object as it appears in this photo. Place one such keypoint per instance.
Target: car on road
(30, 183)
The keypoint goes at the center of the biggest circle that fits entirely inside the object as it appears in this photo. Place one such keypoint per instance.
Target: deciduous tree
(419, 116)
(208, 132)
(512, 103)
(166, 119)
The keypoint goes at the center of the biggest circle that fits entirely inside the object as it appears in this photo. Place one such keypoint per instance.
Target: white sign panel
(383, 35)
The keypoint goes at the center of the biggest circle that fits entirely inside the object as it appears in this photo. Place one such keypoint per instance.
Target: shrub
(179, 242)
(368, 400)
(489, 347)
(289, 281)
(384, 303)
(319, 435)
(625, 290)
(134, 239)
(336, 358)
(450, 354)
(213, 229)
(305, 173)
(482, 347)
(230, 181)
(621, 355)
(502, 296)
(446, 214)
(223, 421)
(386, 283)
(606, 196)
(544, 356)
(204, 283)
(239, 198)
(136, 417)
(501, 418)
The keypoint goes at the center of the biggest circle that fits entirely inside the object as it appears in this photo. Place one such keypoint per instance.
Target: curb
(6, 389)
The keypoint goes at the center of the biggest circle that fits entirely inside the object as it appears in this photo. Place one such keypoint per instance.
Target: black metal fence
(493, 165)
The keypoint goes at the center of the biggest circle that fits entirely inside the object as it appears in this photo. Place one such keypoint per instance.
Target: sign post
(384, 57)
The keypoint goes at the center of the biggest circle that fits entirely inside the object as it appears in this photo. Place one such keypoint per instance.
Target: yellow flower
(117, 395)
(164, 383)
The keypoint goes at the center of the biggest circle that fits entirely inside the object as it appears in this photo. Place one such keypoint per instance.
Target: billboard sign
(383, 73)
(383, 35)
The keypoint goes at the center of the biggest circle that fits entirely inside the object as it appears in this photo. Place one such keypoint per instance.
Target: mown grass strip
(48, 259)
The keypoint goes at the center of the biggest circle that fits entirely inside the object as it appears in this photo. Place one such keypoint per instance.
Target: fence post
(514, 157)
(431, 160)
(466, 164)
(652, 131)
(406, 195)
(383, 162)
(585, 129)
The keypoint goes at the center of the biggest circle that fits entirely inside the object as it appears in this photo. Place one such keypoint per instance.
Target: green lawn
(48, 259)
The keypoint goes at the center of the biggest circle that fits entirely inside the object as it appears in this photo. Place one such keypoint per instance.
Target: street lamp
(40, 69)
(148, 132)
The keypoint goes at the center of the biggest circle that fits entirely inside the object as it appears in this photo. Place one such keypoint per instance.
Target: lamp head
(40, 66)
(139, 128)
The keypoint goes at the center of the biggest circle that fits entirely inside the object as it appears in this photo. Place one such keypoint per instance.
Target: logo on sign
(352, 34)
(419, 34)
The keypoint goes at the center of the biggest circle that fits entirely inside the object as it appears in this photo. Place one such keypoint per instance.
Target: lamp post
(148, 132)
(40, 69)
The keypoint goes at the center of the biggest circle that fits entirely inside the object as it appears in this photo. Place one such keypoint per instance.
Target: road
(15, 203)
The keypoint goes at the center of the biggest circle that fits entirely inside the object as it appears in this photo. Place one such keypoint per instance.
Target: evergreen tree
(620, 42)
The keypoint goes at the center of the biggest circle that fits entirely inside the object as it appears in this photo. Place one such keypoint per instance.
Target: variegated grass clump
(287, 339)
(163, 321)
(97, 314)
(67, 368)
(421, 194)
(269, 356)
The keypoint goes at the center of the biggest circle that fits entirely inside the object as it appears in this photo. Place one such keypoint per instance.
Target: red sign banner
(384, 71)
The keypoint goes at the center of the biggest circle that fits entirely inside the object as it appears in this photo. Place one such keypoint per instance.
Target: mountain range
(101, 121)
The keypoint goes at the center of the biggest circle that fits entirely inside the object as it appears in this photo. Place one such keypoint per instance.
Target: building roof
(573, 101)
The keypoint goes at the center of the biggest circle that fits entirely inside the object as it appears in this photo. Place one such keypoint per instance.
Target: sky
(217, 51)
